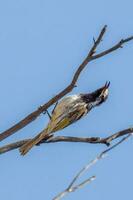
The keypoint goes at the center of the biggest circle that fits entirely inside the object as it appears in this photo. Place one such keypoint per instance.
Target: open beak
(105, 90)
(107, 84)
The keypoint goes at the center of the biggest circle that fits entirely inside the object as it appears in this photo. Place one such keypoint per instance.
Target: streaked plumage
(69, 110)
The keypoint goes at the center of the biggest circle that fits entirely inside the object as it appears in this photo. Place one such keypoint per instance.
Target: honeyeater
(69, 110)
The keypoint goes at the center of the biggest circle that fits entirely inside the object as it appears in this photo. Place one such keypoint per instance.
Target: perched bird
(69, 110)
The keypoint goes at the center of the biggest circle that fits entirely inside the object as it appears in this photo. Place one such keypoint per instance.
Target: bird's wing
(70, 117)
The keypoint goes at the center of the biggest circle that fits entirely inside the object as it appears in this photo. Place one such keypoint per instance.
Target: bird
(69, 110)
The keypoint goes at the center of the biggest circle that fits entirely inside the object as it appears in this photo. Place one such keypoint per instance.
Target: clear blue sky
(41, 44)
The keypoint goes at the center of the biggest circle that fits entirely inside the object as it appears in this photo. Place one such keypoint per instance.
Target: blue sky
(41, 45)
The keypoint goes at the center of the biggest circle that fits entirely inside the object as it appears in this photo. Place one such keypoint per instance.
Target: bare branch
(32, 116)
(92, 140)
(115, 47)
(71, 187)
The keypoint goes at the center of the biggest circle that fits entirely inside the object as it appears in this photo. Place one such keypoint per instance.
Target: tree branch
(115, 47)
(32, 116)
(92, 140)
(71, 187)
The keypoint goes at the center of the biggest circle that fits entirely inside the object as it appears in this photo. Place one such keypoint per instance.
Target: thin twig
(72, 189)
(115, 47)
(71, 186)
(92, 140)
(32, 116)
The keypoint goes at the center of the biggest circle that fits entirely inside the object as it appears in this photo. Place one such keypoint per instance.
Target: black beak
(107, 84)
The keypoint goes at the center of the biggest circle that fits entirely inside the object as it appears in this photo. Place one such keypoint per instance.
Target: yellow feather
(62, 124)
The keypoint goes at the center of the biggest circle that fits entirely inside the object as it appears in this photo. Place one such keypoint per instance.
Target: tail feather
(28, 145)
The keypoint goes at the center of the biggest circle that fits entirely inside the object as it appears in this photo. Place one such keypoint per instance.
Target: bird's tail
(28, 145)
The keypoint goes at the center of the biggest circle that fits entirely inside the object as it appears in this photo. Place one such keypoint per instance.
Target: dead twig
(72, 189)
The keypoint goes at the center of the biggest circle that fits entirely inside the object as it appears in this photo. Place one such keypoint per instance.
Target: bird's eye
(102, 97)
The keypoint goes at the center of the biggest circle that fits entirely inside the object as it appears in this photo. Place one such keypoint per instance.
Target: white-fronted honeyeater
(69, 110)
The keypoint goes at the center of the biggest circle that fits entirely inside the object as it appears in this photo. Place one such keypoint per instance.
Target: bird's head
(101, 95)
(97, 97)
